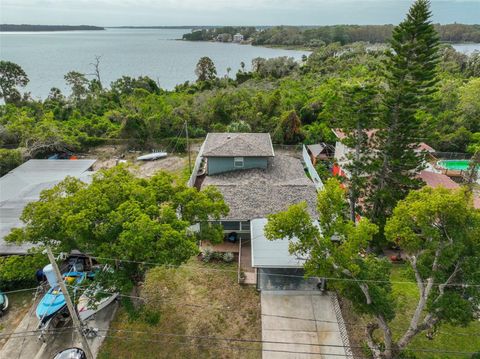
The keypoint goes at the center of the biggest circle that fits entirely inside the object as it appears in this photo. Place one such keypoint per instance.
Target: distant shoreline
(35, 28)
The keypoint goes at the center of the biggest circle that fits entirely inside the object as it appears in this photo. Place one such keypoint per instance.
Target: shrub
(150, 316)
(208, 254)
(16, 271)
(9, 159)
(228, 257)
(212, 233)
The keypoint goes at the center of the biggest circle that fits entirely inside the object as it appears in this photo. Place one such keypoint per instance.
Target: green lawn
(188, 301)
(448, 338)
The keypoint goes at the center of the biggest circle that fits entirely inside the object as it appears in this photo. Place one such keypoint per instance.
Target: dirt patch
(109, 156)
(19, 304)
(173, 163)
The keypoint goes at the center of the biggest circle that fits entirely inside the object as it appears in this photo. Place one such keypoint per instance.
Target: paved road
(279, 310)
(30, 347)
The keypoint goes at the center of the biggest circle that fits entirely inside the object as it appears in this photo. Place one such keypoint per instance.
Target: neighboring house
(343, 152)
(24, 184)
(226, 152)
(320, 152)
(430, 175)
(237, 37)
(255, 182)
(224, 37)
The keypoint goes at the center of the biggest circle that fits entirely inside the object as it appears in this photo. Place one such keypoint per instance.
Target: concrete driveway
(305, 320)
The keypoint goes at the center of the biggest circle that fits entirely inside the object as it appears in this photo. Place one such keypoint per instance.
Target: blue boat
(53, 302)
(3, 302)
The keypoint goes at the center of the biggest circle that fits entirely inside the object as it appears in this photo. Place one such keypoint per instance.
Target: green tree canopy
(78, 83)
(11, 76)
(439, 231)
(121, 216)
(205, 69)
(355, 105)
(437, 228)
(411, 73)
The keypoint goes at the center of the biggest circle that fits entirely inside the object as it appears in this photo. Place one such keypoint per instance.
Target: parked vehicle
(71, 353)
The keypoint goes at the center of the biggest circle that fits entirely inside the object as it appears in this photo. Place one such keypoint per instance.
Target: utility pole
(73, 313)
(188, 148)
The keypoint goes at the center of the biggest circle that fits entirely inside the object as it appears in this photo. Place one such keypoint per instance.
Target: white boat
(152, 156)
(93, 300)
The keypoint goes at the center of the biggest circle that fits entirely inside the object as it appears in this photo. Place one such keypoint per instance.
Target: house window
(245, 225)
(238, 162)
(231, 226)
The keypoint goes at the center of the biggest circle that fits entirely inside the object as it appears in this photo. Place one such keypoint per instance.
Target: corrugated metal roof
(24, 184)
(271, 254)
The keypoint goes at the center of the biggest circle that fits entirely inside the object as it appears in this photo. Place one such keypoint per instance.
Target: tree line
(313, 37)
(382, 202)
(270, 95)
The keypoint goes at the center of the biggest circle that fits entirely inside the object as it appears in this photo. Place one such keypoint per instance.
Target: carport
(277, 269)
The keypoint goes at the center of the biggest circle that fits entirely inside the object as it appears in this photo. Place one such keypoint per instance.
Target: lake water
(47, 56)
(467, 48)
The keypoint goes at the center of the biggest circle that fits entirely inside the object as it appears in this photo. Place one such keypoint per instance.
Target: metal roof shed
(271, 254)
(24, 184)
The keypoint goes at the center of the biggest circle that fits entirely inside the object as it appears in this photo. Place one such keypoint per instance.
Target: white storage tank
(50, 274)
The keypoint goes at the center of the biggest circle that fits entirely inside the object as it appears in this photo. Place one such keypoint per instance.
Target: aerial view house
(343, 152)
(237, 37)
(24, 184)
(255, 181)
(431, 175)
(320, 152)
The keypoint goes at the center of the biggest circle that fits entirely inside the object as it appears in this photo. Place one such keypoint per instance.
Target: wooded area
(316, 36)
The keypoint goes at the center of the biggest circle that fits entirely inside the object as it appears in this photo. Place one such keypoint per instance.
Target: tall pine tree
(410, 74)
(356, 108)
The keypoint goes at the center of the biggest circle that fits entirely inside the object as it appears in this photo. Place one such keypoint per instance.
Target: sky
(227, 12)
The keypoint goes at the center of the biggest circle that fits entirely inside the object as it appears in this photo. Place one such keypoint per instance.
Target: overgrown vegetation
(138, 111)
(191, 302)
(121, 216)
(317, 36)
(19, 271)
(438, 232)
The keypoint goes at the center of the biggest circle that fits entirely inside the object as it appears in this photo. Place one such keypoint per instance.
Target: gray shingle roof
(24, 184)
(238, 144)
(256, 193)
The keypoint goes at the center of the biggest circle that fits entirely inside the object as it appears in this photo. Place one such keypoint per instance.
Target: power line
(266, 315)
(20, 290)
(426, 350)
(173, 300)
(284, 275)
(252, 341)
(239, 348)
